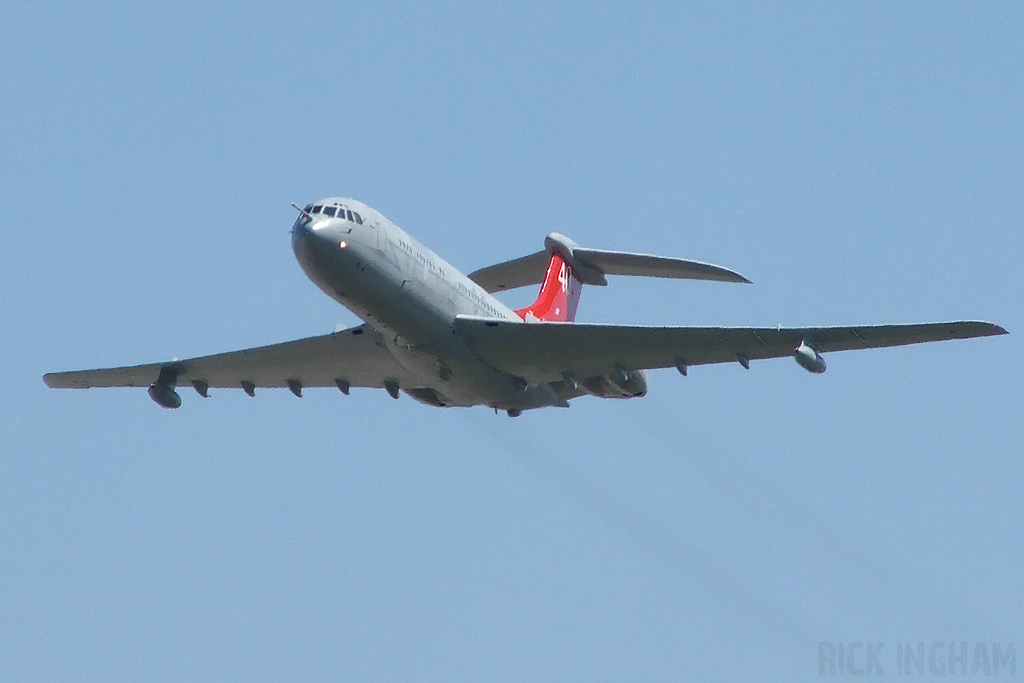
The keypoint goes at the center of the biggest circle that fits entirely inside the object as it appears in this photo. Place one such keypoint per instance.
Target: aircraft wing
(353, 356)
(543, 352)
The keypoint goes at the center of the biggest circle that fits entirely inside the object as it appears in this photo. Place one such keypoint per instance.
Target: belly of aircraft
(415, 323)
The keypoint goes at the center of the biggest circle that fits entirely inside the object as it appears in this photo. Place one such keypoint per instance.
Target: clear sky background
(860, 162)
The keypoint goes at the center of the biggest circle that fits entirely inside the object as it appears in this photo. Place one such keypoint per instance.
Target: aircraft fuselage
(411, 296)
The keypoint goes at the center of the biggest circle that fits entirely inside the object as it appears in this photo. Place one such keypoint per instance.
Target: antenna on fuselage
(302, 211)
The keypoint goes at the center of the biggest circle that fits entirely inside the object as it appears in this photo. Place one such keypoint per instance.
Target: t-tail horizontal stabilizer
(590, 266)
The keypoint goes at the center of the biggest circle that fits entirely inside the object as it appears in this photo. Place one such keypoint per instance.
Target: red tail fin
(559, 295)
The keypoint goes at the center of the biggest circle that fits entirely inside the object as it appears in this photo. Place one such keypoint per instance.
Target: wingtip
(986, 329)
(726, 275)
(62, 380)
(733, 276)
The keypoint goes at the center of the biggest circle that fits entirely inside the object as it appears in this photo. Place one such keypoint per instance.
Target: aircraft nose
(302, 235)
(301, 229)
(306, 242)
(317, 243)
(316, 232)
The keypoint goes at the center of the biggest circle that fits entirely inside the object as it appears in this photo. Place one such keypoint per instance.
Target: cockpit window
(341, 212)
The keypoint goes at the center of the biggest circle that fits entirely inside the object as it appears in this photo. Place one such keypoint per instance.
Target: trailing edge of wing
(351, 355)
(543, 352)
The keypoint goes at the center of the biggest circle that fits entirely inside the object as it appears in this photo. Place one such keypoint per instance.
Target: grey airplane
(442, 338)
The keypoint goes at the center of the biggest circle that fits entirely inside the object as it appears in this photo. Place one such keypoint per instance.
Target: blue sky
(860, 162)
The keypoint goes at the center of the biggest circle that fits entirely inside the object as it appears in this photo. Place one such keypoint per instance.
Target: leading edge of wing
(545, 351)
(352, 355)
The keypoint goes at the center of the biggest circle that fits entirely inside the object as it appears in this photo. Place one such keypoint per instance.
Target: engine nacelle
(428, 396)
(164, 395)
(619, 383)
(809, 359)
(530, 396)
(632, 383)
